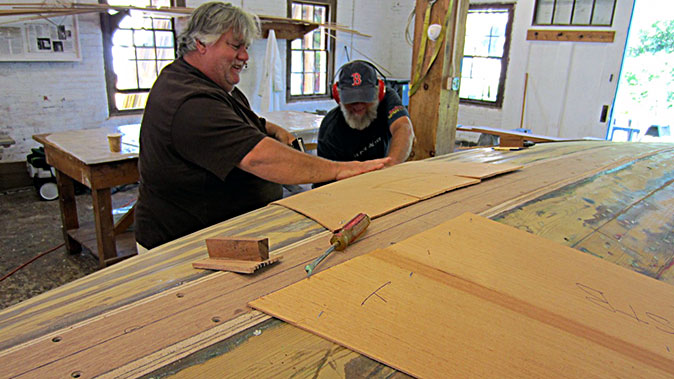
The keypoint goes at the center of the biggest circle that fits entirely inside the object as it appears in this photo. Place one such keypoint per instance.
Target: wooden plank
(511, 134)
(434, 107)
(481, 297)
(241, 248)
(121, 291)
(606, 36)
(380, 192)
(333, 360)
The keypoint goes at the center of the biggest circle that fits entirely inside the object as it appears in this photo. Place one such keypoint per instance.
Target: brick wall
(43, 97)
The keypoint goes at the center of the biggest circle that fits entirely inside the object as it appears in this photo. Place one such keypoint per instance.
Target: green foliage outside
(647, 84)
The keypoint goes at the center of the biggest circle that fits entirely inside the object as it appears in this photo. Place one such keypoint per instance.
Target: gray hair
(211, 20)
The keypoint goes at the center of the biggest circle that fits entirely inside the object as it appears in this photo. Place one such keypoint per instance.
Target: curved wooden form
(155, 314)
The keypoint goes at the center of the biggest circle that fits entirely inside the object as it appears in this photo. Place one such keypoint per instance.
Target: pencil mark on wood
(320, 314)
(600, 299)
(374, 293)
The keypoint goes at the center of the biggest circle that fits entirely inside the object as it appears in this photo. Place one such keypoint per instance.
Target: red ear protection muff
(381, 86)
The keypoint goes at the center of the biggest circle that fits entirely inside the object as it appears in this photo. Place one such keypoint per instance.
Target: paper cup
(115, 142)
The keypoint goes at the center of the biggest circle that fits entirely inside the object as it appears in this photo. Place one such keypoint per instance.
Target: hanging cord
(31, 261)
(408, 37)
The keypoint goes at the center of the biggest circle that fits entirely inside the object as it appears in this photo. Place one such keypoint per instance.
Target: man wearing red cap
(370, 121)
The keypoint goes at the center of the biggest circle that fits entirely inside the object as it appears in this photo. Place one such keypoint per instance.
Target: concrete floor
(30, 226)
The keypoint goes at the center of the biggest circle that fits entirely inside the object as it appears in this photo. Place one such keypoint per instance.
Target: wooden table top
(154, 313)
(90, 146)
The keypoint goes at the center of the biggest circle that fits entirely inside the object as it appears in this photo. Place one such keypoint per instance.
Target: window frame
(573, 7)
(505, 58)
(332, 47)
(107, 30)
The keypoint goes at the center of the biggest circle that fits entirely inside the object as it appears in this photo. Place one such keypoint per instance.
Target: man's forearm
(401, 141)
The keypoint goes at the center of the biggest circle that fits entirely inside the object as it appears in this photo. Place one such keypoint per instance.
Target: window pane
(129, 101)
(164, 39)
(321, 61)
(145, 53)
(296, 44)
(307, 12)
(319, 84)
(143, 38)
(480, 78)
(162, 64)
(126, 74)
(295, 84)
(308, 61)
(165, 53)
(127, 23)
(296, 63)
(544, 11)
(308, 41)
(147, 73)
(563, 12)
(296, 11)
(308, 85)
(122, 38)
(161, 23)
(581, 13)
(603, 12)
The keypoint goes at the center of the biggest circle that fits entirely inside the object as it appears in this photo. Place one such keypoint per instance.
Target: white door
(571, 85)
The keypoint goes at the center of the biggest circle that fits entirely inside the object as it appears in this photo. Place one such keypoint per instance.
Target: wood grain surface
(473, 297)
(104, 319)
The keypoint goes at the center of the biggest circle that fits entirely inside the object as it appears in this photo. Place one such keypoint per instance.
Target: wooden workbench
(84, 156)
(156, 314)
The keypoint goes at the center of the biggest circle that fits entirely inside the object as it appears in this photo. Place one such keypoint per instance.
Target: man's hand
(349, 169)
(279, 133)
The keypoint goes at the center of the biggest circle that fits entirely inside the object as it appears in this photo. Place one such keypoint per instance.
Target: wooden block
(243, 267)
(238, 248)
(511, 141)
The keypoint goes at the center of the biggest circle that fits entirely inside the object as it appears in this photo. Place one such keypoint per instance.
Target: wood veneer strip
(548, 306)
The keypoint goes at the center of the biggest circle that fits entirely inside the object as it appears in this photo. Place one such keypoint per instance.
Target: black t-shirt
(192, 136)
(339, 142)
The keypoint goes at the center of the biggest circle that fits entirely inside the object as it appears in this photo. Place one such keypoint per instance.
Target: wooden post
(434, 107)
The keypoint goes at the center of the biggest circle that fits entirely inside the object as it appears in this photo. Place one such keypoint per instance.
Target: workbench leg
(105, 234)
(66, 188)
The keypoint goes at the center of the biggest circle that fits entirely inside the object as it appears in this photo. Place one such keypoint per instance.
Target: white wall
(50, 96)
(568, 82)
(43, 97)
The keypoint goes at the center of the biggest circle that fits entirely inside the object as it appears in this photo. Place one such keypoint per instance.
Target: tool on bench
(342, 238)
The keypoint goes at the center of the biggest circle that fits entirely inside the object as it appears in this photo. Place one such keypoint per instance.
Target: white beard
(360, 122)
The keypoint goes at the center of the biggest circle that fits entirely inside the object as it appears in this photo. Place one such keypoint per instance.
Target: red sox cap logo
(356, 79)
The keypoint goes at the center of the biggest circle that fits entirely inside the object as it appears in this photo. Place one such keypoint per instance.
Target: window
(574, 12)
(311, 58)
(137, 46)
(485, 54)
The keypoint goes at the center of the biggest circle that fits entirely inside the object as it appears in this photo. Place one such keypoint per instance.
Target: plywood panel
(473, 297)
(380, 192)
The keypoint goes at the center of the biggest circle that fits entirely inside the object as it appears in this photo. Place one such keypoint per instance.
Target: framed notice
(54, 39)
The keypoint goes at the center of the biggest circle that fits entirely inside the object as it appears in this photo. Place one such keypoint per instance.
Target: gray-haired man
(205, 156)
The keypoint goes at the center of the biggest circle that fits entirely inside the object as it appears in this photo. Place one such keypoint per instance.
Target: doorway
(644, 105)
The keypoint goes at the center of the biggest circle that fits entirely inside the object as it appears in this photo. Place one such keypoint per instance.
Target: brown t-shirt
(192, 136)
